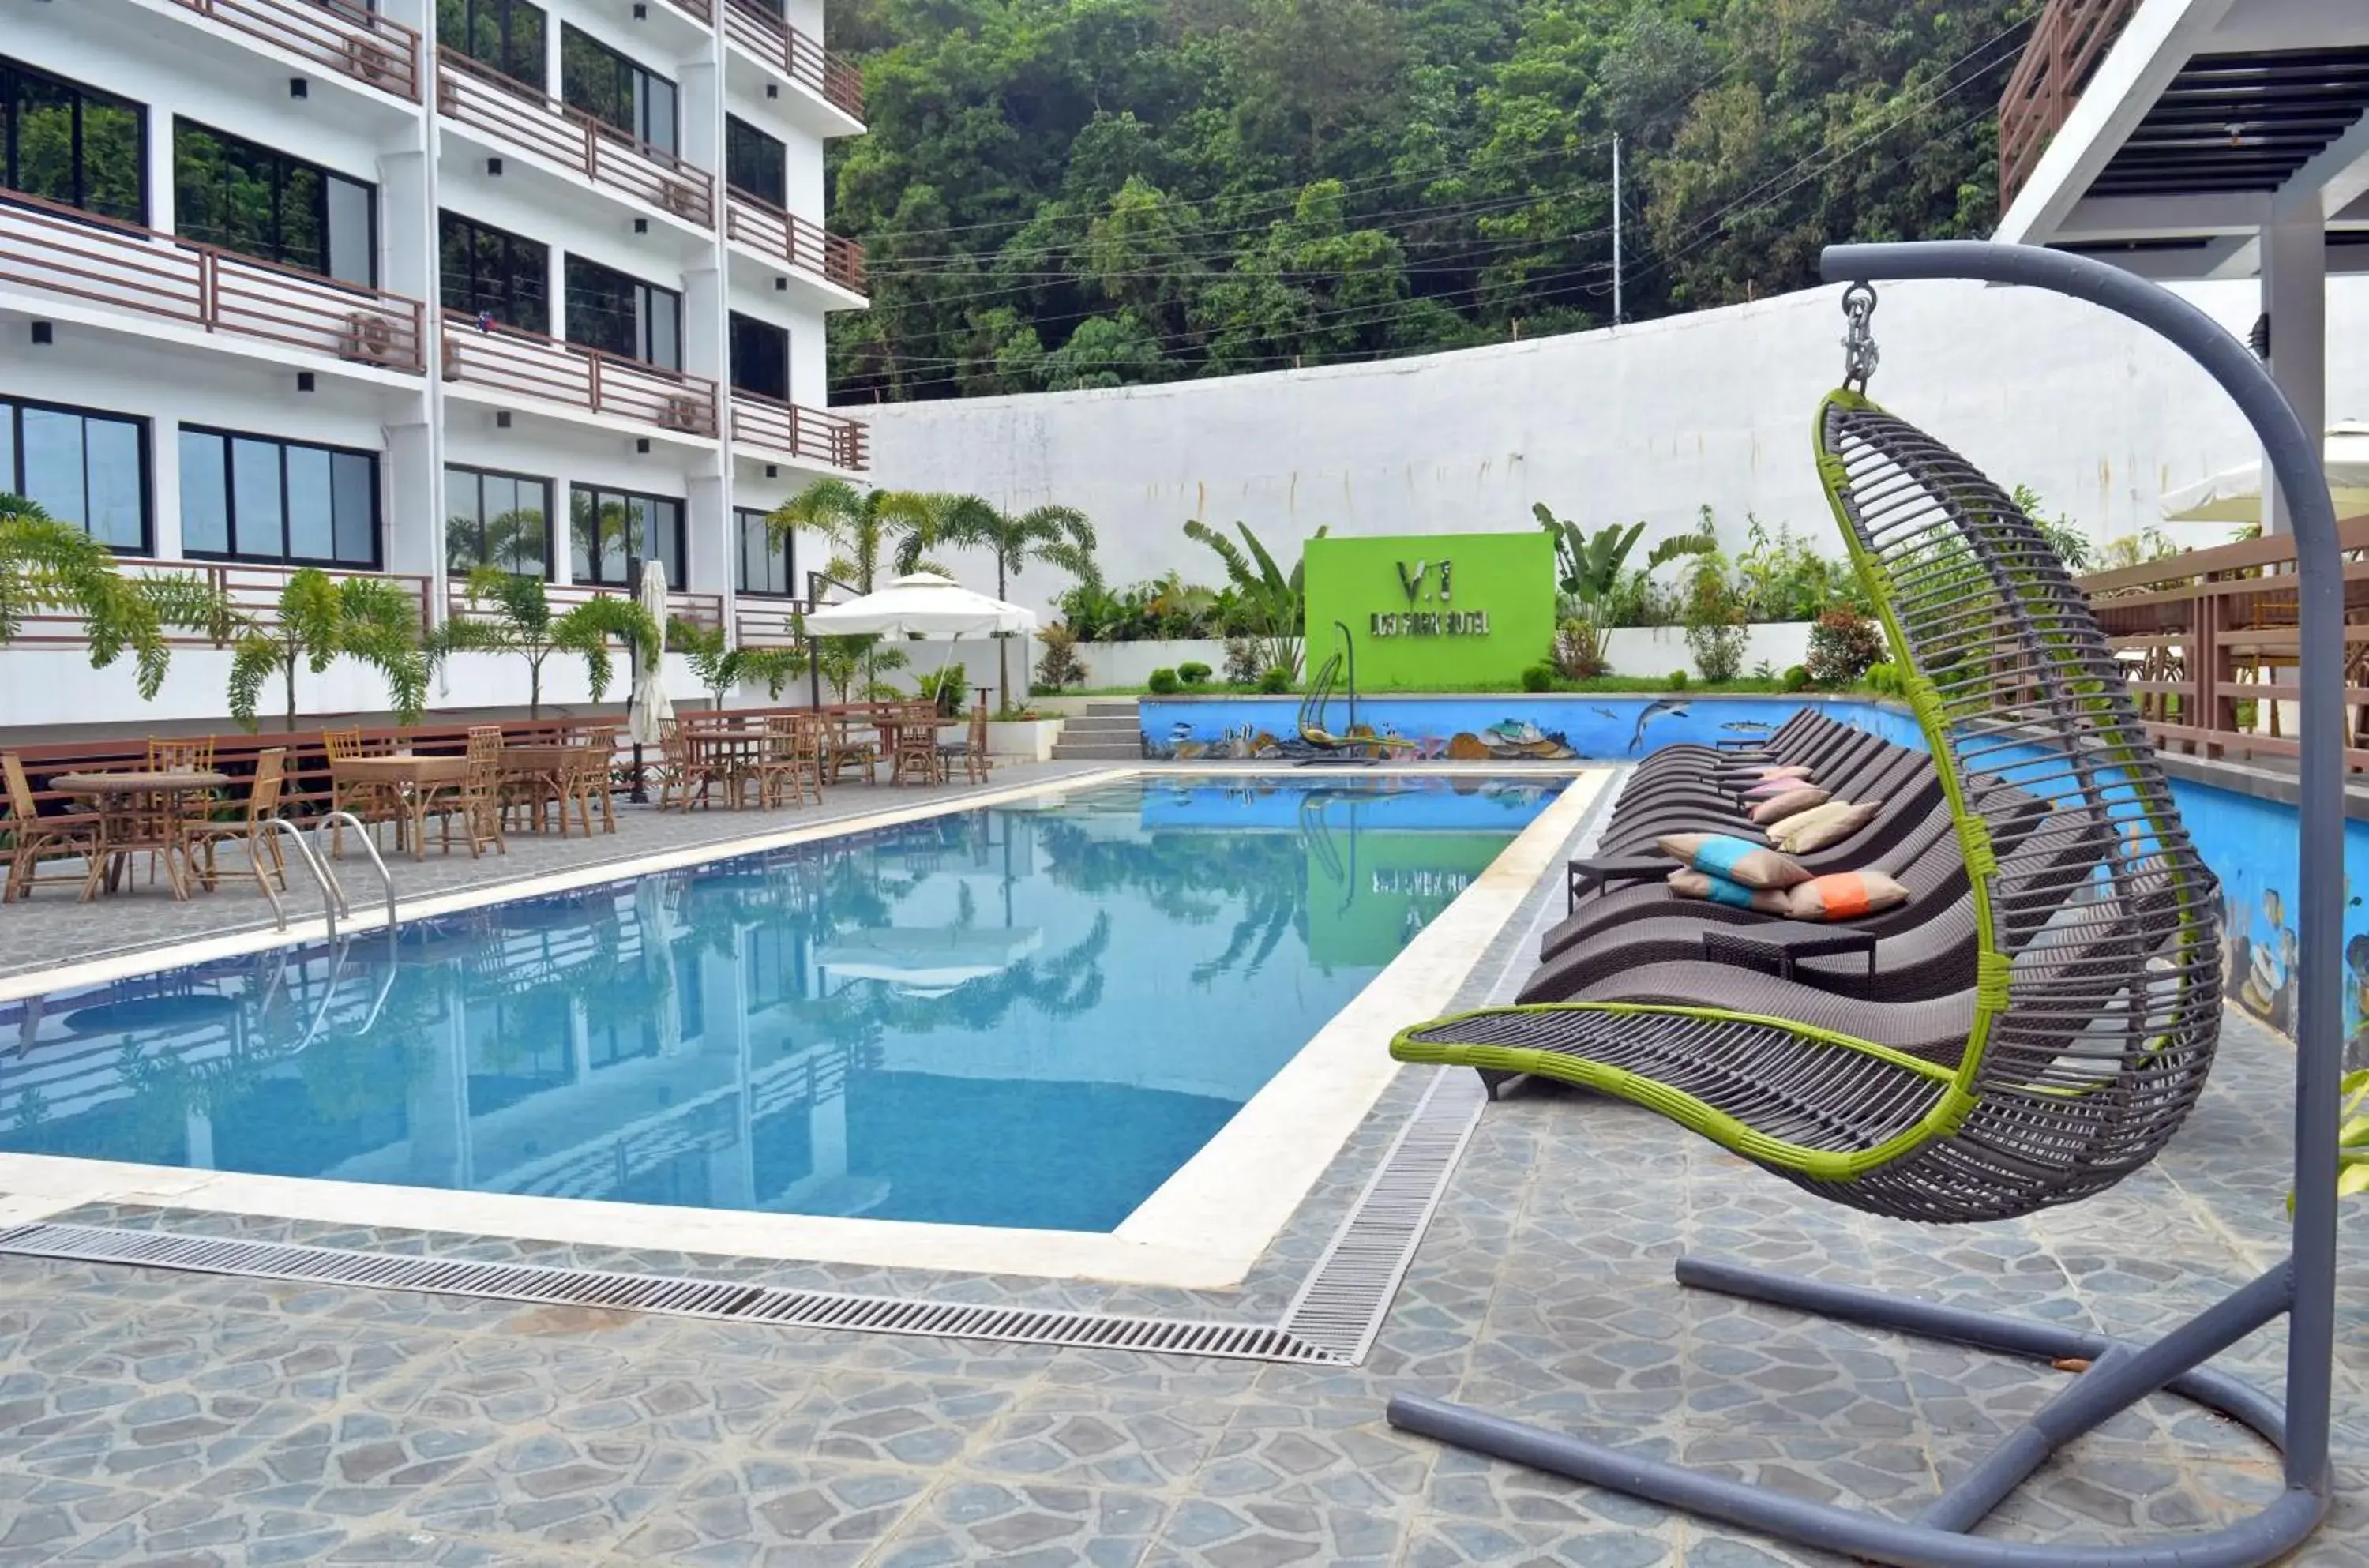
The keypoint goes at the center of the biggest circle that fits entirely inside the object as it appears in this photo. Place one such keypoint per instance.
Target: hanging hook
(1860, 354)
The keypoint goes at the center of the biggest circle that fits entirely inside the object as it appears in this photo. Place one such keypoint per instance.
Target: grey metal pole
(1617, 312)
(2294, 453)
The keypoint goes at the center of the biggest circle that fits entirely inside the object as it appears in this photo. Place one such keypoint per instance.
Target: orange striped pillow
(1843, 895)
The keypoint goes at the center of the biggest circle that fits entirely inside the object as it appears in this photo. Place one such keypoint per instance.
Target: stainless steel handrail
(332, 896)
(385, 880)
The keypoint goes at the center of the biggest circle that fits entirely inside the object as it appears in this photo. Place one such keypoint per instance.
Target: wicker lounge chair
(1826, 756)
(1865, 772)
(1779, 745)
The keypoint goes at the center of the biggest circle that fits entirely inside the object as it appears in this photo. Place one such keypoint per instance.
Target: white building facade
(414, 286)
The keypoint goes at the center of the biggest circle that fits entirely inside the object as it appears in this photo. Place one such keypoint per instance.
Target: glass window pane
(256, 529)
(45, 115)
(529, 547)
(657, 112)
(665, 328)
(310, 534)
(524, 59)
(464, 542)
(113, 178)
(354, 481)
(205, 522)
(302, 206)
(583, 532)
(117, 483)
(664, 537)
(352, 256)
(52, 461)
(7, 446)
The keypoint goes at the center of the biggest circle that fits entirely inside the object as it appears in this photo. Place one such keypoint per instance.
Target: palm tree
(720, 668)
(317, 621)
(522, 622)
(49, 565)
(864, 529)
(1060, 536)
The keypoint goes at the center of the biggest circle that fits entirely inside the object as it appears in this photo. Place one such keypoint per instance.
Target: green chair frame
(2095, 1013)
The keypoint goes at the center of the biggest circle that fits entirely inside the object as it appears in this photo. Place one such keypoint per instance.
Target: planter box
(1022, 740)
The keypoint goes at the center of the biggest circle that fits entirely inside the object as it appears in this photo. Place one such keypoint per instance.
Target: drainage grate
(541, 1285)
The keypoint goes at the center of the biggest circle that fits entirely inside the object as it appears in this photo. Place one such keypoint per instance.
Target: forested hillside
(1072, 193)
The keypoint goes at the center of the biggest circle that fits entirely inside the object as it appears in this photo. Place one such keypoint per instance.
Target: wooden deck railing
(770, 425)
(527, 119)
(2067, 42)
(71, 254)
(339, 35)
(766, 621)
(2208, 637)
(507, 359)
(250, 588)
(765, 35)
(786, 236)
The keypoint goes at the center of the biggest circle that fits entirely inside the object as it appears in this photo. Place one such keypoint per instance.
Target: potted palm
(510, 612)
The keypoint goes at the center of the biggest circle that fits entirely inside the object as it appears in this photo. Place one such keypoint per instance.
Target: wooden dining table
(409, 777)
(138, 809)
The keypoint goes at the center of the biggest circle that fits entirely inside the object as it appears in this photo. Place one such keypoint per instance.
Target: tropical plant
(1578, 649)
(1783, 579)
(720, 668)
(1061, 664)
(1588, 567)
(1539, 677)
(2072, 545)
(1060, 536)
(49, 565)
(1714, 618)
(850, 664)
(1192, 672)
(866, 530)
(318, 621)
(1273, 603)
(1843, 644)
(510, 612)
(1241, 662)
(945, 686)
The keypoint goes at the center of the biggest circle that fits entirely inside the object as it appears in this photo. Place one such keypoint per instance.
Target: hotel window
(496, 520)
(488, 272)
(87, 468)
(608, 528)
(261, 202)
(503, 34)
(615, 91)
(765, 566)
(73, 144)
(252, 499)
(761, 356)
(606, 309)
(754, 163)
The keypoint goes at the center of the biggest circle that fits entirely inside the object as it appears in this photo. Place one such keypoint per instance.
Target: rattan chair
(33, 837)
(970, 750)
(475, 803)
(264, 856)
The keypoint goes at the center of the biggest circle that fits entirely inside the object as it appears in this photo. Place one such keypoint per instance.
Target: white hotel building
(403, 286)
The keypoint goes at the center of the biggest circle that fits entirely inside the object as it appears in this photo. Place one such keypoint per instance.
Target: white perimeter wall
(1647, 422)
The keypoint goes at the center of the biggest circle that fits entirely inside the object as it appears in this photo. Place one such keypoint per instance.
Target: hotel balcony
(508, 116)
(2069, 42)
(343, 39)
(830, 270)
(770, 431)
(63, 262)
(829, 99)
(501, 364)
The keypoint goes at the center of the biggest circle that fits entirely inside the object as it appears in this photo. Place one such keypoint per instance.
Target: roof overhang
(2208, 120)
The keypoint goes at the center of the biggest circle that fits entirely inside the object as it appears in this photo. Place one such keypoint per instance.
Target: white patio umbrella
(927, 961)
(646, 718)
(921, 604)
(2234, 495)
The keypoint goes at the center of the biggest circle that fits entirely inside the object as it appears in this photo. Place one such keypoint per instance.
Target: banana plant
(318, 621)
(1277, 599)
(1588, 568)
(510, 613)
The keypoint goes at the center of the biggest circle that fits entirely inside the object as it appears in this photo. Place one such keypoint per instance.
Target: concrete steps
(1108, 731)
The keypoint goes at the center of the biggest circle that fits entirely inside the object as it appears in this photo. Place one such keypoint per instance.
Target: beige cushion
(1832, 830)
(1843, 895)
(1738, 860)
(1793, 802)
(1782, 834)
(1790, 771)
(1720, 890)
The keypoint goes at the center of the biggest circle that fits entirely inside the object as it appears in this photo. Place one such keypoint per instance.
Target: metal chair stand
(2302, 1288)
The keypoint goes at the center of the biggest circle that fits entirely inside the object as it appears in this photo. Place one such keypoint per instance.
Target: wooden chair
(971, 751)
(791, 758)
(668, 765)
(33, 837)
(476, 801)
(592, 784)
(180, 754)
(370, 803)
(913, 753)
(202, 833)
(849, 748)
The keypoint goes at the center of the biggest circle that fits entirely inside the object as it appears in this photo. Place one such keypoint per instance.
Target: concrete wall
(1649, 422)
(1657, 650)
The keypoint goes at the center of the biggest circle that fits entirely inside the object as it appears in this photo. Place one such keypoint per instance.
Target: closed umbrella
(2234, 495)
(645, 720)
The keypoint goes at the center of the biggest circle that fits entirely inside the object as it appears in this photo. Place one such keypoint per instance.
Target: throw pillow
(1799, 799)
(1844, 895)
(1720, 890)
(1817, 836)
(1768, 787)
(1783, 833)
(1738, 860)
(1790, 771)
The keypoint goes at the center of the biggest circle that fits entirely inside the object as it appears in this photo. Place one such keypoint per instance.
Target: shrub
(1677, 679)
(1797, 678)
(946, 687)
(1578, 650)
(1163, 682)
(1714, 619)
(1883, 676)
(1241, 662)
(1539, 677)
(1192, 672)
(1842, 645)
(1276, 679)
(1060, 666)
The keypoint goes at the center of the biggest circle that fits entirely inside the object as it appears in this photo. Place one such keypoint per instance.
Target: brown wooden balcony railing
(71, 254)
(794, 56)
(698, 10)
(771, 425)
(766, 621)
(2067, 42)
(337, 35)
(251, 590)
(527, 363)
(704, 610)
(786, 236)
(2206, 633)
(526, 118)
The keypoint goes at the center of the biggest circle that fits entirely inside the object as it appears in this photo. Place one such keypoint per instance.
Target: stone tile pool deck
(149, 1416)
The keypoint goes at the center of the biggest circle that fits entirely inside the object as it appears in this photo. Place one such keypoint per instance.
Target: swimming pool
(1024, 1015)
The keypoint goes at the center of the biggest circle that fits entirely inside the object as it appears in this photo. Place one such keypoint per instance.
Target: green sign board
(1365, 906)
(1431, 610)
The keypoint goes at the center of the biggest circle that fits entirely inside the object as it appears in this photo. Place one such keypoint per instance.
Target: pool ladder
(333, 893)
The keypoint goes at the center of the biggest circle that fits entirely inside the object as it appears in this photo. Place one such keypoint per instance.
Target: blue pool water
(1027, 1015)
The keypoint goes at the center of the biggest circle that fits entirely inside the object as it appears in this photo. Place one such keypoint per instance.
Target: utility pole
(1616, 229)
